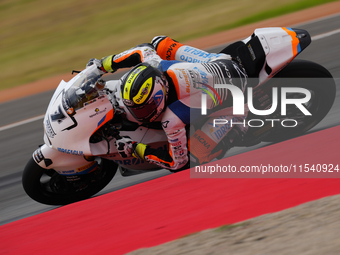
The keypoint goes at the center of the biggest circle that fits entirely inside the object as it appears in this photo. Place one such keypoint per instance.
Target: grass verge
(41, 38)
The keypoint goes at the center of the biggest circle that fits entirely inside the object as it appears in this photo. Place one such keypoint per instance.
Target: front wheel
(320, 83)
(46, 186)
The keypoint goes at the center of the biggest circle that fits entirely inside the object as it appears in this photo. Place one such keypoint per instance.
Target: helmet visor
(143, 113)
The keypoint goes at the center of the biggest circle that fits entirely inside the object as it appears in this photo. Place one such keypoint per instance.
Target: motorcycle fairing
(63, 163)
(89, 119)
(78, 109)
(279, 47)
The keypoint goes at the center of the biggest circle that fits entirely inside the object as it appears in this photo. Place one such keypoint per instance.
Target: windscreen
(84, 89)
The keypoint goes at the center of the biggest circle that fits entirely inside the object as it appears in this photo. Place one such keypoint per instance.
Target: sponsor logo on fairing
(73, 152)
(129, 162)
(58, 115)
(48, 129)
(202, 140)
(252, 53)
(97, 112)
(222, 127)
(38, 156)
(90, 102)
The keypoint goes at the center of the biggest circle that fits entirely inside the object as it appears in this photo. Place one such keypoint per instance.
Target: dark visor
(143, 112)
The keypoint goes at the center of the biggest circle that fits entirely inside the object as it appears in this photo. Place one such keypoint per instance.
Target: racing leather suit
(189, 71)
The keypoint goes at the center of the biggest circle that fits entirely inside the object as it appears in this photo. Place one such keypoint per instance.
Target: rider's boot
(211, 142)
(232, 139)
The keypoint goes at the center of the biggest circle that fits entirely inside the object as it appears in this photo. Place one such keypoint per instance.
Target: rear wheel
(46, 186)
(321, 85)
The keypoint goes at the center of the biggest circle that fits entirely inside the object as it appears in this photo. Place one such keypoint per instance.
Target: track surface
(18, 143)
(168, 208)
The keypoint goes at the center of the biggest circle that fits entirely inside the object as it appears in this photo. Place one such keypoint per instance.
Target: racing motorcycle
(86, 115)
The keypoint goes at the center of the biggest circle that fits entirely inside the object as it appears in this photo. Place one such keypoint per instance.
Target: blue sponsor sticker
(158, 97)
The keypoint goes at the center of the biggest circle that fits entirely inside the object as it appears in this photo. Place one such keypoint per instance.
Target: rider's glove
(127, 147)
(98, 63)
(108, 64)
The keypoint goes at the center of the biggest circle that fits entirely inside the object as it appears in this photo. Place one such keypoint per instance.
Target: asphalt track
(19, 141)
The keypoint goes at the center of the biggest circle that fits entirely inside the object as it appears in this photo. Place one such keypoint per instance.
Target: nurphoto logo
(239, 102)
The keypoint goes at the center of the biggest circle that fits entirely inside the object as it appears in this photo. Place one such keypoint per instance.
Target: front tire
(46, 186)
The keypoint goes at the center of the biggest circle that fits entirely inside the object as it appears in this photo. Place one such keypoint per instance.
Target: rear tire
(323, 92)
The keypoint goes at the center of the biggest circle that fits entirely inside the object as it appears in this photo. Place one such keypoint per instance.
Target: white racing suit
(190, 72)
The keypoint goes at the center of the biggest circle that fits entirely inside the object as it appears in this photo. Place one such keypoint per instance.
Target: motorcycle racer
(166, 85)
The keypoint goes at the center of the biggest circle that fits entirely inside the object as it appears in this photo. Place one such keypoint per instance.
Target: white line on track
(23, 122)
(321, 36)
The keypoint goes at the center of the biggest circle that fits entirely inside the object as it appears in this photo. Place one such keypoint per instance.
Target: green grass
(40, 38)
